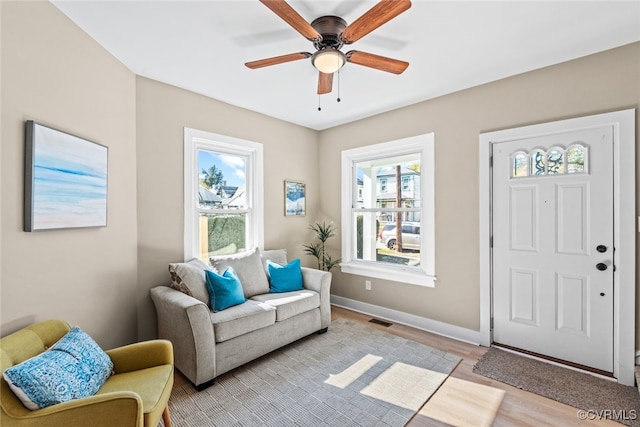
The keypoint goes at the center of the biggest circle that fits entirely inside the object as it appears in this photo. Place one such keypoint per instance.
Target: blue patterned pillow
(224, 291)
(72, 368)
(285, 278)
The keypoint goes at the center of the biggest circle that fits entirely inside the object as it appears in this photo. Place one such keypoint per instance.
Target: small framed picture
(294, 198)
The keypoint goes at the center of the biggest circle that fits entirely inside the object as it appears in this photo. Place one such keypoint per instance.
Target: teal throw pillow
(73, 368)
(285, 278)
(224, 290)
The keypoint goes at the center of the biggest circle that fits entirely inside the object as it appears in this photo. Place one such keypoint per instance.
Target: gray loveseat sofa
(207, 343)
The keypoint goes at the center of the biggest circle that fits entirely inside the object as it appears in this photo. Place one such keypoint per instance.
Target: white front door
(553, 245)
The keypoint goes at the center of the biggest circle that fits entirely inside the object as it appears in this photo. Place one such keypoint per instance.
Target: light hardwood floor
(467, 399)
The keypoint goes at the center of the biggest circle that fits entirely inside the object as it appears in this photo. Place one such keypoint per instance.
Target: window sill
(410, 276)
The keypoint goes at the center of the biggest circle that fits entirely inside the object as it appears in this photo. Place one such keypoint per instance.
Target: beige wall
(99, 278)
(599, 83)
(0, 165)
(290, 152)
(54, 73)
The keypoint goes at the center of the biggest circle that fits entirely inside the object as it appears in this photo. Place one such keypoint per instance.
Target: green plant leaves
(317, 248)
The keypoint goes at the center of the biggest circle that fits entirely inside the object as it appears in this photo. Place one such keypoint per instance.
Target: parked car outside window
(410, 236)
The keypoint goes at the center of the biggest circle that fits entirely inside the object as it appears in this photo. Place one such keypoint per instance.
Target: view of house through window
(222, 203)
(387, 210)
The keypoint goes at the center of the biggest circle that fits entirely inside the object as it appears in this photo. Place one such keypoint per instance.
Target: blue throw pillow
(224, 291)
(285, 278)
(73, 368)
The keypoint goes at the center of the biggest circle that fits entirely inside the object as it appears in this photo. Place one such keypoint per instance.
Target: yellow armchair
(136, 395)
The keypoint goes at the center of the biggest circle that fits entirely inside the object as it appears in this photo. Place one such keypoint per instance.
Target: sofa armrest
(141, 355)
(123, 408)
(319, 281)
(186, 322)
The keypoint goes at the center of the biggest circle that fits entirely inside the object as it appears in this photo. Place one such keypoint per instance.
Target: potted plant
(317, 248)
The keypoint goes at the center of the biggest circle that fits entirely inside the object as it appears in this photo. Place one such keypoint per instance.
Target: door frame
(624, 187)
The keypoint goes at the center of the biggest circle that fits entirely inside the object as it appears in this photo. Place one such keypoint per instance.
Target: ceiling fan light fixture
(328, 60)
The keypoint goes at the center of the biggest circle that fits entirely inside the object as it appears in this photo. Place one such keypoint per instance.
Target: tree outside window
(223, 188)
(222, 203)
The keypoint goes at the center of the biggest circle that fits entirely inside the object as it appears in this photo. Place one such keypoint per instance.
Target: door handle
(601, 266)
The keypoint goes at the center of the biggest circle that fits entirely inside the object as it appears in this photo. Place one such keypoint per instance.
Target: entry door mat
(353, 375)
(596, 396)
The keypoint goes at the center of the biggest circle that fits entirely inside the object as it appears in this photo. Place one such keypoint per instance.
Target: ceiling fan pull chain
(338, 72)
(319, 107)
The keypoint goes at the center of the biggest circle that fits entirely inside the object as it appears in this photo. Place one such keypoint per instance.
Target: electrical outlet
(367, 285)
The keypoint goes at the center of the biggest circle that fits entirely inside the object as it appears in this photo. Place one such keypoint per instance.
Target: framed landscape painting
(294, 198)
(65, 180)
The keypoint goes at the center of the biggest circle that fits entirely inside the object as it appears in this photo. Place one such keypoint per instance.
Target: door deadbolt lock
(601, 248)
(601, 266)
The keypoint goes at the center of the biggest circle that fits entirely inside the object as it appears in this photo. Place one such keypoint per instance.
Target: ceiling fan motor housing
(330, 27)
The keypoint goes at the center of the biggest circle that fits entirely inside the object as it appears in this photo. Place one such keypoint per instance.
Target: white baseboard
(422, 323)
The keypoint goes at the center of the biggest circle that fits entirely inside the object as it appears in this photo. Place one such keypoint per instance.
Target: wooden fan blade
(291, 17)
(378, 62)
(277, 60)
(378, 15)
(325, 83)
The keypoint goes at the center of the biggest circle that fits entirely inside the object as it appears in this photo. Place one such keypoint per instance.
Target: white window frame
(383, 185)
(423, 275)
(406, 183)
(195, 140)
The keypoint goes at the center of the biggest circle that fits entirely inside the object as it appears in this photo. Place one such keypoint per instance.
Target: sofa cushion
(250, 270)
(279, 256)
(285, 278)
(72, 368)
(188, 277)
(224, 290)
(289, 304)
(241, 319)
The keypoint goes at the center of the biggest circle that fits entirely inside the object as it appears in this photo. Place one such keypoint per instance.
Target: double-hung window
(223, 206)
(388, 210)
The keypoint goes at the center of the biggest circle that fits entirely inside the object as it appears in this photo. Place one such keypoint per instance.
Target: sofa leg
(322, 331)
(205, 385)
(166, 418)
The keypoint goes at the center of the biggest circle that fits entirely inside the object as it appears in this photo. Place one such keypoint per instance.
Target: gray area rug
(353, 375)
(597, 396)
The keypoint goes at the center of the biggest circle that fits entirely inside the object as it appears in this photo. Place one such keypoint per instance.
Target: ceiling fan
(330, 33)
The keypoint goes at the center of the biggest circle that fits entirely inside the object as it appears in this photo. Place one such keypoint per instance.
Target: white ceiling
(451, 45)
